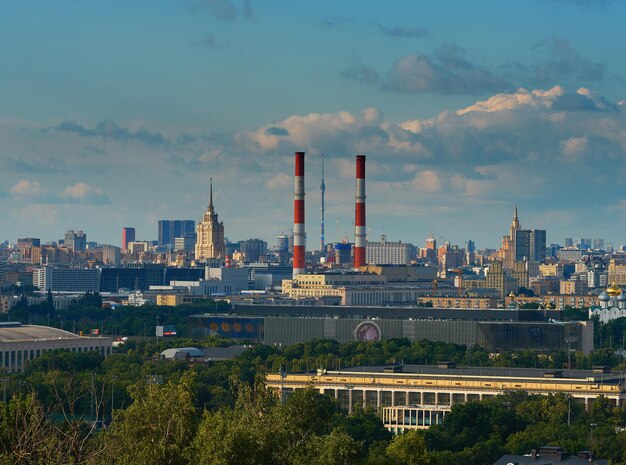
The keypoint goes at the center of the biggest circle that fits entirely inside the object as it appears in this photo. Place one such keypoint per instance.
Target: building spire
(210, 193)
(515, 214)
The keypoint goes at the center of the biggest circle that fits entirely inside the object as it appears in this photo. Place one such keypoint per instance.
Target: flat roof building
(446, 385)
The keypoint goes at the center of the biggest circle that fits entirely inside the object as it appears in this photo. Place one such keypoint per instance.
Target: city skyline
(459, 116)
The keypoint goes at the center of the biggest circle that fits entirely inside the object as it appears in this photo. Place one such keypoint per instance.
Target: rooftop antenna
(322, 191)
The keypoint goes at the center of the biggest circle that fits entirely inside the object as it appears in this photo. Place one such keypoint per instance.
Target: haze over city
(117, 114)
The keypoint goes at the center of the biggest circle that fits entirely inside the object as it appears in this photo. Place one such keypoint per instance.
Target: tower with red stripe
(359, 214)
(299, 237)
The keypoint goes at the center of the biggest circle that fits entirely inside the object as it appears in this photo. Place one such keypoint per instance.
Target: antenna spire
(323, 191)
(211, 193)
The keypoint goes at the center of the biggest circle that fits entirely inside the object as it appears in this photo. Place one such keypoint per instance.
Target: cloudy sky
(117, 114)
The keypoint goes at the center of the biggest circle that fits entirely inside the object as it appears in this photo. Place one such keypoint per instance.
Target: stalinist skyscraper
(507, 252)
(210, 234)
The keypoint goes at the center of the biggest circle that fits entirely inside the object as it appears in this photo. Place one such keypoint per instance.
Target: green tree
(335, 448)
(409, 448)
(157, 428)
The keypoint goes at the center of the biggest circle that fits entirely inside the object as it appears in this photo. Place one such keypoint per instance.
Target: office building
(131, 277)
(76, 240)
(185, 244)
(210, 233)
(128, 235)
(253, 249)
(530, 244)
(388, 253)
(49, 278)
(111, 255)
(169, 230)
(343, 255)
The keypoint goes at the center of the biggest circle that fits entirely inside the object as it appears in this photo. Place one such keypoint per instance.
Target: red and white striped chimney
(359, 214)
(299, 237)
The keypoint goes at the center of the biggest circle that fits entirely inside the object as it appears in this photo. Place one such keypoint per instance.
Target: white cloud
(84, 193)
(574, 146)
(279, 181)
(26, 189)
(427, 181)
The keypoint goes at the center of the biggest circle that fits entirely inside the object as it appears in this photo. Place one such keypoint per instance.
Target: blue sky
(116, 114)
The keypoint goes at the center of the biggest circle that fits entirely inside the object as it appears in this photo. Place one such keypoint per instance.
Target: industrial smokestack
(359, 214)
(299, 238)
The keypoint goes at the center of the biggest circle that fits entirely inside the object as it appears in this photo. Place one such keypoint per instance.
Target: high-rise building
(598, 244)
(210, 233)
(171, 229)
(185, 243)
(530, 244)
(253, 249)
(111, 255)
(388, 253)
(429, 252)
(507, 252)
(76, 240)
(569, 242)
(128, 235)
(522, 244)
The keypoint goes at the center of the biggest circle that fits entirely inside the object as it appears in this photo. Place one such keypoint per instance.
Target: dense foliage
(133, 407)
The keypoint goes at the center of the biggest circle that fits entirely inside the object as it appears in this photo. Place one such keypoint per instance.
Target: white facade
(67, 279)
(388, 253)
(21, 343)
(611, 307)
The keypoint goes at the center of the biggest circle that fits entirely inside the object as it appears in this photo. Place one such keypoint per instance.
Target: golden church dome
(613, 290)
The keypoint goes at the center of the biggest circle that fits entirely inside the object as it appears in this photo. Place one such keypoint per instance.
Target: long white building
(67, 279)
(21, 343)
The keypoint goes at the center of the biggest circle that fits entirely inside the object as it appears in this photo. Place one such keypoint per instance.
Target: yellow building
(520, 273)
(459, 302)
(210, 234)
(330, 285)
(400, 273)
(497, 278)
(617, 272)
(507, 252)
(557, 300)
(554, 269)
(445, 385)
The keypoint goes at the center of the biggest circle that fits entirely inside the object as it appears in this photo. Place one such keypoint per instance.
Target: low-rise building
(446, 385)
(21, 343)
(459, 302)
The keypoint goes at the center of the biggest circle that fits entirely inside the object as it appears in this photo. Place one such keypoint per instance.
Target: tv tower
(323, 191)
